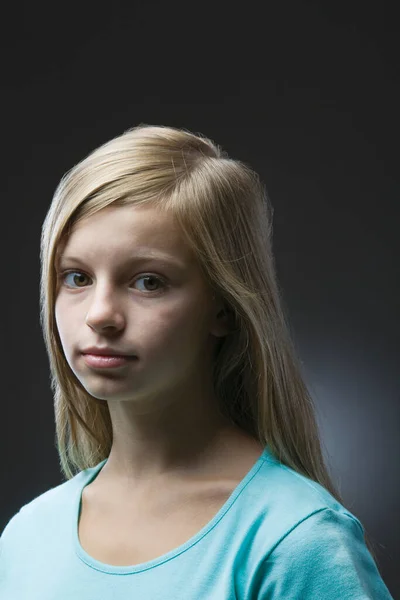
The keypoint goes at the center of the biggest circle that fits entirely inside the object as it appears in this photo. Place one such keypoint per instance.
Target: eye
(76, 274)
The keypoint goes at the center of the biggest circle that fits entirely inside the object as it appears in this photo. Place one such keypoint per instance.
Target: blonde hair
(225, 216)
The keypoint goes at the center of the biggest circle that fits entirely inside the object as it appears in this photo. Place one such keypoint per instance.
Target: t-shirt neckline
(126, 569)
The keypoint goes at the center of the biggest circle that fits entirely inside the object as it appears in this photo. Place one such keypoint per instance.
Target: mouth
(104, 361)
(109, 355)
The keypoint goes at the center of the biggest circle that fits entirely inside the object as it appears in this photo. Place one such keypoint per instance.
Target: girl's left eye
(149, 276)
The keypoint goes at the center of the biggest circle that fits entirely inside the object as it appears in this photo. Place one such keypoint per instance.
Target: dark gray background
(305, 92)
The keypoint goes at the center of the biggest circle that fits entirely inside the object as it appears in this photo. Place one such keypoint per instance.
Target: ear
(223, 322)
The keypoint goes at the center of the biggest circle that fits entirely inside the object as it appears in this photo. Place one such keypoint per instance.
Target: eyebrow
(138, 258)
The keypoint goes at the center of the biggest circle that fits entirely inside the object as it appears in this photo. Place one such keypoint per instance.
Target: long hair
(225, 215)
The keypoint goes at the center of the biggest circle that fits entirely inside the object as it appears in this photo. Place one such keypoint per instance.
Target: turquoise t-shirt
(278, 536)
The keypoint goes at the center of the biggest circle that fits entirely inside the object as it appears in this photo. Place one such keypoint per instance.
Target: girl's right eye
(62, 276)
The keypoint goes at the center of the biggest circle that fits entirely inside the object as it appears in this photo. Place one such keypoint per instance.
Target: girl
(185, 432)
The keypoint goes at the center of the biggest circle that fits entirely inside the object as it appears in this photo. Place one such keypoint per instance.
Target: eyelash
(63, 275)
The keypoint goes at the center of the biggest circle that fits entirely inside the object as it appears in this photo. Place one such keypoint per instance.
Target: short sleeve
(323, 557)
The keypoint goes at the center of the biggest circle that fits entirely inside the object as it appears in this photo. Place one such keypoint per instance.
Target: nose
(105, 311)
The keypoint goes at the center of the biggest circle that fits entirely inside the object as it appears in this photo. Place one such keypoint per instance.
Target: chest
(135, 532)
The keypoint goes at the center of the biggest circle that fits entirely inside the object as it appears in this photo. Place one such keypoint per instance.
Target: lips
(107, 352)
(107, 362)
(108, 355)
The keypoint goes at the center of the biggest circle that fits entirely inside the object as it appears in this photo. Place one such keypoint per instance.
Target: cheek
(177, 330)
(64, 326)
(59, 317)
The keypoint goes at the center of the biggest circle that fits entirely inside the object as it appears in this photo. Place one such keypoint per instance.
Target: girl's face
(134, 286)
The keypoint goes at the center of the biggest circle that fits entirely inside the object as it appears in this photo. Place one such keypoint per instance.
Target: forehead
(126, 229)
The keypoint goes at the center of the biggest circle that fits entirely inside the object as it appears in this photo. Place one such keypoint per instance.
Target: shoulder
(288, 497)
(45, 508)
(308, 545)
(322, 556)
